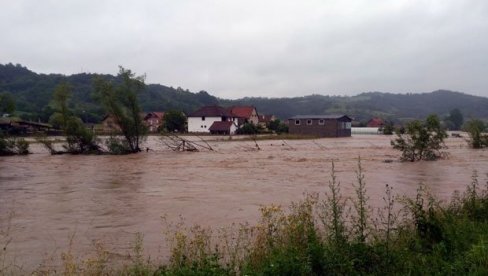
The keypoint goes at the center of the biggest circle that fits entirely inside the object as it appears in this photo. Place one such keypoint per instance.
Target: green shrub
(421, 140)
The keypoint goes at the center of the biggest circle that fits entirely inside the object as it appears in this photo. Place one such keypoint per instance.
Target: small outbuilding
(222, 128)
(320, 125)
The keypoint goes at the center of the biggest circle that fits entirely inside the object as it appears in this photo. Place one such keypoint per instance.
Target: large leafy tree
(79, 139)
(475, 129)
(456, 119)
(119, 99)
(174, 121)
(277, 126)
(7, 103)
(422, 140)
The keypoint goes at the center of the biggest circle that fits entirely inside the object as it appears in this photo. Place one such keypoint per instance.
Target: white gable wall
(233, 128)
(196, 124)
(254, 117)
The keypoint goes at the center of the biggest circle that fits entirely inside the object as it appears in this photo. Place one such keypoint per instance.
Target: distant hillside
(366, 105)
(32, 93)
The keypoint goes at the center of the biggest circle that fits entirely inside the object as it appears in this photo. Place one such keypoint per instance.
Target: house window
(203, 118)
(297, 122)
(321, 122)
(309, 122)
(348, 125)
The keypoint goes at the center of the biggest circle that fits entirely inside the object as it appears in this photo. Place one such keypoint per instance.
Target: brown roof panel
(241, 111)
(221, 126)
(211, 111)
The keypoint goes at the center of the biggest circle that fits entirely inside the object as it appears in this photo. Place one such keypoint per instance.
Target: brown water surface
(46, 199)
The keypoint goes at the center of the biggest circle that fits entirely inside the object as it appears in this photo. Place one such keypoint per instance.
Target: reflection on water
(110, 198)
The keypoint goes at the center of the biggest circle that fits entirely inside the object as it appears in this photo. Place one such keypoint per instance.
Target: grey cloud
(258, 48)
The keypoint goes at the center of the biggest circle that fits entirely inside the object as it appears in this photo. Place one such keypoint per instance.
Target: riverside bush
(13, 145)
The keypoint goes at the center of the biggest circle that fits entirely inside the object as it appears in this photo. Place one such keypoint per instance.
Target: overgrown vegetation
(475, 129)
(388, 128)
(120, 101)
(277, 126)
(421, 140)
(319, 235)
(12, 145)
(249, 129)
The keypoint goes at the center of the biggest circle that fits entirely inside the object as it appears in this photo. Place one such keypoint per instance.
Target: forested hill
(365, 105)
(32, 93)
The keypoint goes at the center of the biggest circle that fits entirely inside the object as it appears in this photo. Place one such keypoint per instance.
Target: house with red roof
(375, 122)
(244, 114)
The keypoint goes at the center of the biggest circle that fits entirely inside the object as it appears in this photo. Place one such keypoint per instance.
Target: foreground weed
(361, 219)
(333, 210)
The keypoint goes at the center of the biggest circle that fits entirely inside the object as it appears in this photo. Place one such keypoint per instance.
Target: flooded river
(45, 200)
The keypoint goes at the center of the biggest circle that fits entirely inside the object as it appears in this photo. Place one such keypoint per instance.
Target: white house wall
(254, 117)
(196, 124)
(233, 128)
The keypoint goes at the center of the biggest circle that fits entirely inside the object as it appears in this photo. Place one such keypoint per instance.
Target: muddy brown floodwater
(47, 199)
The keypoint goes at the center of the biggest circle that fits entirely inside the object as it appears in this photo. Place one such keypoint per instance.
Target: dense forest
(32, 95)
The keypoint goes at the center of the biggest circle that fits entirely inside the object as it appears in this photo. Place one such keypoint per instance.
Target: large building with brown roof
(320, 125)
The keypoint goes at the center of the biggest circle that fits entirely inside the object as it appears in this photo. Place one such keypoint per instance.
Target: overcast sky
(266, 48)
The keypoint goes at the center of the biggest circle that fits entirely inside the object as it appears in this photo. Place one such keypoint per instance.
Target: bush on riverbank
(13, 145)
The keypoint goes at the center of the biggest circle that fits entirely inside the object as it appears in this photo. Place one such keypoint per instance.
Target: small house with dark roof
(320, 125)
(202, 119)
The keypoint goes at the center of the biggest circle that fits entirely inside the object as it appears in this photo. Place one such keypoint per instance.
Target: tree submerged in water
(475, 129)
(79, 140)
(422, 140)
(120, 101)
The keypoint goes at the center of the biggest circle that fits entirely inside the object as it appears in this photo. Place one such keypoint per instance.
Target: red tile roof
(211, 111)
(375, 122)
(242, 111)
(221, 126)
